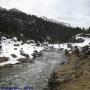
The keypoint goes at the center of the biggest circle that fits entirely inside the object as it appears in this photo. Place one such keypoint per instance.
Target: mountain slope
(14, 22)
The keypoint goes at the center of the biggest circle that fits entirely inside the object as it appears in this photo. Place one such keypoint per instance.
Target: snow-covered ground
(65, 45)
(12, 47)
(86, 41)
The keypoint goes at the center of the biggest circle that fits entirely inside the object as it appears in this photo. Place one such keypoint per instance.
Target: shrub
(53, 83)
(76, 50)
(85, 48)
(66, 52)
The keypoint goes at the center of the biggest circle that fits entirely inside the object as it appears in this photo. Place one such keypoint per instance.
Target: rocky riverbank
(75, 74)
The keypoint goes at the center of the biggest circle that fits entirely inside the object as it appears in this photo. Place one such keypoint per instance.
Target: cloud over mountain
(77, 13)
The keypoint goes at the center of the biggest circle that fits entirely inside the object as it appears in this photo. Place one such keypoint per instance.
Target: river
(34, 74)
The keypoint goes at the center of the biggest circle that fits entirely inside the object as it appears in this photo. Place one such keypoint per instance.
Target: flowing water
(32, 74)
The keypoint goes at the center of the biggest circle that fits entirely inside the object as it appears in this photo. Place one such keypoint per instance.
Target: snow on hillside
(65, 45)
(86, 41)
(12, 49)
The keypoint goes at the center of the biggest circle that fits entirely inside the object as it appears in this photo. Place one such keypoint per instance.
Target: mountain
(15, 10)
(55, 21)
(15, 22)
(2, 8)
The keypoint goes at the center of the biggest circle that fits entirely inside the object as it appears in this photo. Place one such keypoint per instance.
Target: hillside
(15, 22)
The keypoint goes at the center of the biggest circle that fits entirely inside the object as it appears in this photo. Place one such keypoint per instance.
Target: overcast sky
(75, 12)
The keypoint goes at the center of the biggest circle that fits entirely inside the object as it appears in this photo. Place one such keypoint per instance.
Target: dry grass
(79, 70)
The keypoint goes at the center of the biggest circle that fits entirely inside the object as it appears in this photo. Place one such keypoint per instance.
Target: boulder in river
(25, 60)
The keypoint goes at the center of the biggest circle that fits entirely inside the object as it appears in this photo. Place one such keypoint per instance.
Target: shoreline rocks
(3, 59)
(27, 59)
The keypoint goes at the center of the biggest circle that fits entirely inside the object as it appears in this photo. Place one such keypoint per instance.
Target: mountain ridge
(45, 18)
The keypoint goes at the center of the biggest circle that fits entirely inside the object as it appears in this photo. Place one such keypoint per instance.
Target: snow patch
(65, 45)
(12, 46)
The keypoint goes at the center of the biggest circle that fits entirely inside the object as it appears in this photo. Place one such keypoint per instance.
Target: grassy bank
(75, 75)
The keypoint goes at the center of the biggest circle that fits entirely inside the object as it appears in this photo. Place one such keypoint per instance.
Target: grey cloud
(71, 11)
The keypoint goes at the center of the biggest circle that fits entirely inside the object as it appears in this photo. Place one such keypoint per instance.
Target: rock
(25, 60)
(23, 54)
(16, 44)
(13, 55)
(62, 63)
(26, 55)
(15, 48)
(36, 54)
(3, 59)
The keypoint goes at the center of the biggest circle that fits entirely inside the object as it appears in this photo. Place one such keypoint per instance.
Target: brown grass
(79, 70)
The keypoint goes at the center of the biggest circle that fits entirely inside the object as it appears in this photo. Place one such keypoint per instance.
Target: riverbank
(75, 75)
